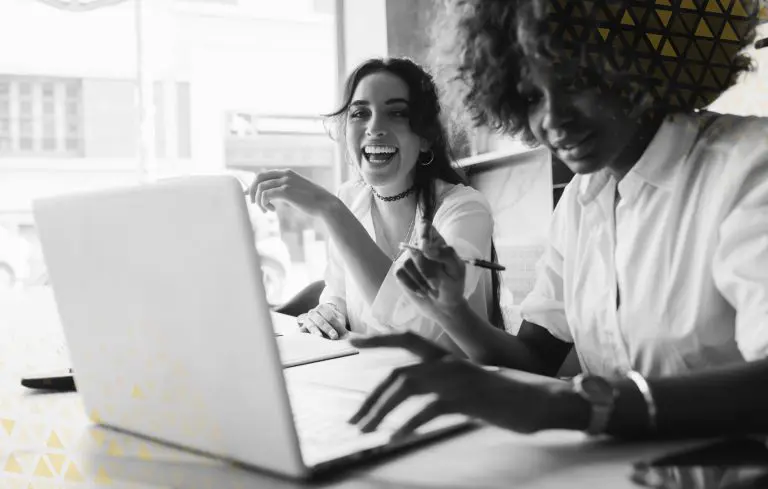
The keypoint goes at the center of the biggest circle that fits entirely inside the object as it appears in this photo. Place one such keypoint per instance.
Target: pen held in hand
(471, 261)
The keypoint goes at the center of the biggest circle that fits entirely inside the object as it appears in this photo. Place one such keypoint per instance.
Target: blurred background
(98, 93)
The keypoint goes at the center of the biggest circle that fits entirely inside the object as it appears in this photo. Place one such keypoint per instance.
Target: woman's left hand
(291, 187)
(514, 400)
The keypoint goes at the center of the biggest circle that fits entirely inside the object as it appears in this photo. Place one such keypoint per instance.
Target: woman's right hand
(324, 320)
(434, 277)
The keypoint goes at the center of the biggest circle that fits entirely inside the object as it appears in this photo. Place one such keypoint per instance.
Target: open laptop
(160, 294)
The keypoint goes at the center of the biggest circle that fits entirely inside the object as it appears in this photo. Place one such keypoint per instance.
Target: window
(40, 116)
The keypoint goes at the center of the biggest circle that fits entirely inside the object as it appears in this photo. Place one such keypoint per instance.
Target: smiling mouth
(575, 150)
(379, 154)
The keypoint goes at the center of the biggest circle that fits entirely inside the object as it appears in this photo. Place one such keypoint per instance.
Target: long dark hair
(425, 121)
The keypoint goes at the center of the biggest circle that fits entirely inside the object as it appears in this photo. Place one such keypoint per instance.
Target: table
(46, 441)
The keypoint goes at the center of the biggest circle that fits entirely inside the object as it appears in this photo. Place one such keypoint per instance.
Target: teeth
(380, 149)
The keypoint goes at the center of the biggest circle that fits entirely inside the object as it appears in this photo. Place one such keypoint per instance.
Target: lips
(573, 149)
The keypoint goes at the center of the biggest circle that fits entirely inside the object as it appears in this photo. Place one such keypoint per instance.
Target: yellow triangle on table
(54, 441)
(42, 469)
(604, 33)
(12, 465)
(57, 461)
(627, 19)
(73, 474)
(95, 416)
(703, 29)
(98, 436)
(144, 453)
(114, 449)
(663, 2)
(136, 393)
(102, 477)
(688, 5)
(8, 425)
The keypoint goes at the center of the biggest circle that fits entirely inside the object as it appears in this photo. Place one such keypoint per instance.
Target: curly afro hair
(664, 56)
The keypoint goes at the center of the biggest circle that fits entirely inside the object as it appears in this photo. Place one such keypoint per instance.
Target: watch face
(597, 389)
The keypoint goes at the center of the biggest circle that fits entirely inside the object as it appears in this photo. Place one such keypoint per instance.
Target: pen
(471, 261)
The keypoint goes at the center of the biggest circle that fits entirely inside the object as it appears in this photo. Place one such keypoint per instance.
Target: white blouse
(463, 218)
(686, 250)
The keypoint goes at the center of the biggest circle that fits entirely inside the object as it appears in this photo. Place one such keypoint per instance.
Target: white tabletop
(47, 441)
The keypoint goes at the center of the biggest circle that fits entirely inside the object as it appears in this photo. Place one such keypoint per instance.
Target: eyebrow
(391, 101)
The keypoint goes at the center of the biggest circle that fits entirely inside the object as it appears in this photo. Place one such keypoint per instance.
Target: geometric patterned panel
(680, 52)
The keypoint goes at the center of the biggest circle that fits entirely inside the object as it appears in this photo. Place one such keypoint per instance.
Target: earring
(431, 158)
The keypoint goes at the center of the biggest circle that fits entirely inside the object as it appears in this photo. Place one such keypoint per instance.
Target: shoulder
(351, 191)
(732, 151)
(727, 137)
(451, 197)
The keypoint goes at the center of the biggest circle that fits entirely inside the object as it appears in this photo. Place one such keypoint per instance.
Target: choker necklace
(393, 198)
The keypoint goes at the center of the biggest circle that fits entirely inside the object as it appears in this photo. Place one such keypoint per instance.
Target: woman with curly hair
(657, 266)
(389, 122)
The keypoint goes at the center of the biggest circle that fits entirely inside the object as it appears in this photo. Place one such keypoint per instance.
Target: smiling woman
(389, 122)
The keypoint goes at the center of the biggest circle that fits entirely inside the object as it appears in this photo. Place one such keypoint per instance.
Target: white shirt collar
(655, 167)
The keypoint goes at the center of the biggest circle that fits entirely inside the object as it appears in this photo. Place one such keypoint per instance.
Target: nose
(558, 111)
(376, 127)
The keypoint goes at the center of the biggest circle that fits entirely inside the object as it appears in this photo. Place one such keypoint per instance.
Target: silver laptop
(160, 294)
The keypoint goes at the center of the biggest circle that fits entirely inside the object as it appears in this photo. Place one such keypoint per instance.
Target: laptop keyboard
(320, 415)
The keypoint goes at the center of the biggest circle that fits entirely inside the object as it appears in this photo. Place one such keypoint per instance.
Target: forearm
(486, 344)
(725, 400)
(367, 264)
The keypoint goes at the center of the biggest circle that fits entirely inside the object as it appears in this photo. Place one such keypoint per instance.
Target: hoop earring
(431, 158)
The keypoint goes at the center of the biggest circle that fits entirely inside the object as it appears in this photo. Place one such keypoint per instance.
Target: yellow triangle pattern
(669, 50)
(54, 441)
(664, 16)
(73, 474)
(136, 393)
(102, 477)
(728, 33)
(42, 469)
(98, 437)
(713, 7)
(12, 465)
(144, 453)
(57, 461)
(703, 29)
(95, 416)
(700, 35)
(655, 40)
(8, 425)
(114, 449)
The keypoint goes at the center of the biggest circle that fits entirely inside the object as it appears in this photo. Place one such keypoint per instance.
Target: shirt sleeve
(545, 305)
(740, 263)
(465, 222)
(335, 271)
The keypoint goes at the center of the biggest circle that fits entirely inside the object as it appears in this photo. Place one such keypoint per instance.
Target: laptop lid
(164, 311)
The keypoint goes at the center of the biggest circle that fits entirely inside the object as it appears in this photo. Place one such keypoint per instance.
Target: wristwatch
(601, 396)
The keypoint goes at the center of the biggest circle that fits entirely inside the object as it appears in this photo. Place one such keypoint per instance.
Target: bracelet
(645, 390)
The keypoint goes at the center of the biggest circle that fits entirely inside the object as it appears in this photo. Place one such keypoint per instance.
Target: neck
(402, 209)
(628, 158)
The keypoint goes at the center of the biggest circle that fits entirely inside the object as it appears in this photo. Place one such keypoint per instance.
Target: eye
(401, 113)
(358, 113)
